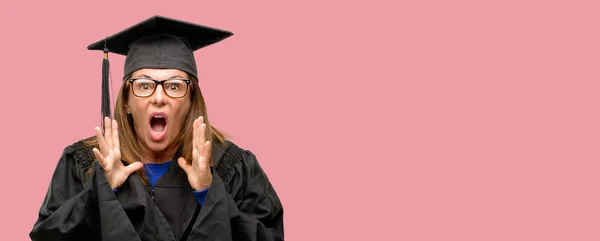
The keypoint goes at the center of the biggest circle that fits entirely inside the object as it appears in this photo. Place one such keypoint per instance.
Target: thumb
(133, 167)
(184, 165)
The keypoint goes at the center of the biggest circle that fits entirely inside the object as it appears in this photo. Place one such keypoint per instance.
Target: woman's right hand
(109, 155)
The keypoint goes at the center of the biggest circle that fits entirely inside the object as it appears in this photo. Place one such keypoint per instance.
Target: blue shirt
(155, 171)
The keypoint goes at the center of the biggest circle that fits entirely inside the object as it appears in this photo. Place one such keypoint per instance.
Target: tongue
(157, 124)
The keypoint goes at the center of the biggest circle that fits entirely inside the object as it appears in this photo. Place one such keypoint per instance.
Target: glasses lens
(143, 87)
(175, 88)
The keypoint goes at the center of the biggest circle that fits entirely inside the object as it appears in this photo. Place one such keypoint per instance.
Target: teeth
(158, 116)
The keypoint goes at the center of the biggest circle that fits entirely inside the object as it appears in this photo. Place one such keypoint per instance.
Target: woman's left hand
(198, 171)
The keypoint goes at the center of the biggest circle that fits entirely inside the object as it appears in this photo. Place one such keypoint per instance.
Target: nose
(158, 97)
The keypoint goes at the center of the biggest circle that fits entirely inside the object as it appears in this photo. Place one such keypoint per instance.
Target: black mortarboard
(157, 42)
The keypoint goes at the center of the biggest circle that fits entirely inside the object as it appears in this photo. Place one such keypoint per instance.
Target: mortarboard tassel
(105, 87)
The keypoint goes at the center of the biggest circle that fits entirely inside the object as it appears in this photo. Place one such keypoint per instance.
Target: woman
(159, 170)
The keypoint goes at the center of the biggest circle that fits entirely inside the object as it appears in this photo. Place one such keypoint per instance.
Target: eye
(143, 85)
(173, 86)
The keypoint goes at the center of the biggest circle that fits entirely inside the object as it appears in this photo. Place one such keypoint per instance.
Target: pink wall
(436, 120)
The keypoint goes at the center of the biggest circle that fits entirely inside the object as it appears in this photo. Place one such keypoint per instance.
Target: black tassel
(105, 87)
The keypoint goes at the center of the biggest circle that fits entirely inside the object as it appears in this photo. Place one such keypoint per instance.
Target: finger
(194, 142)
(184, 164)
(202, 138)
(107, 132)
(198, 133)
(199, 130)
(206, 156)
(203, 133)
(101, 142)
(133, 167)
(115, 134)
(195, 157)
(100, 158)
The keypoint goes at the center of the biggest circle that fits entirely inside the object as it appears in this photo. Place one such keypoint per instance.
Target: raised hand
(109, 155)
(198, 170)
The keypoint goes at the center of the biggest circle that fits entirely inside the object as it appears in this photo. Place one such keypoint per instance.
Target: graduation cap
(157, 42)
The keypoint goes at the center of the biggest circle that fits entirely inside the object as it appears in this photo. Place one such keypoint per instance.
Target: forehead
(160, 73)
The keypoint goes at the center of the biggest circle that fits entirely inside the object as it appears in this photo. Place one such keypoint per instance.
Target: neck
(158, 157)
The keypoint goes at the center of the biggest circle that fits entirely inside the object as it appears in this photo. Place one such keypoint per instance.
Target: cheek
(182, 112)
(137, 110)
(135, 104)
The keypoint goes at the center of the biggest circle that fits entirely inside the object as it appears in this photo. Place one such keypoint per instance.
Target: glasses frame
(157, 83)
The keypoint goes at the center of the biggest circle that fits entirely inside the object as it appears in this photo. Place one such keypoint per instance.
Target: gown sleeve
(241, 204)
(261, 211)
(68, 206)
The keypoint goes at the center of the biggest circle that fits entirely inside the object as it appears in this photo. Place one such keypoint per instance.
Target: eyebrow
(144, 76)
(172, 77)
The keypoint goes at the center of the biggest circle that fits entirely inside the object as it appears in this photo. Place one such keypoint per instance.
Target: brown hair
(131, 148)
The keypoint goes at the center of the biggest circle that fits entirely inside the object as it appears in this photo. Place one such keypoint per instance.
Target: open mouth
(158, 125)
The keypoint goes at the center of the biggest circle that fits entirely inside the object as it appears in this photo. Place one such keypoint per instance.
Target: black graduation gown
(241, 203)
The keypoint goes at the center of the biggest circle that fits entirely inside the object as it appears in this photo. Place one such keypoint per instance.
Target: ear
(128, 109)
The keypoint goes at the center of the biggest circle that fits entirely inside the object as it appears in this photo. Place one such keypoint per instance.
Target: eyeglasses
(144, 87)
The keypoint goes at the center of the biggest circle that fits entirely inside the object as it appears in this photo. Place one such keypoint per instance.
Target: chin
(157, 146)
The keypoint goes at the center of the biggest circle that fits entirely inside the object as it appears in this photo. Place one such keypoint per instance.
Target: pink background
(436, 120)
